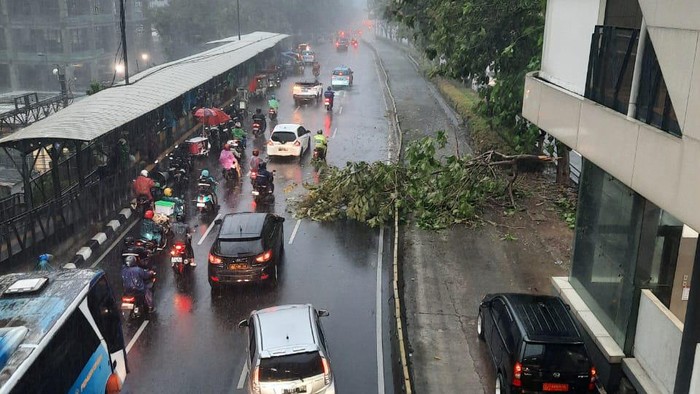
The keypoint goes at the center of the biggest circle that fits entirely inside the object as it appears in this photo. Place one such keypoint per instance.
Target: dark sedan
(248, 248)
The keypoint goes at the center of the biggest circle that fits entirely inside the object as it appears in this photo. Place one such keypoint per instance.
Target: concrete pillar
(691, 331)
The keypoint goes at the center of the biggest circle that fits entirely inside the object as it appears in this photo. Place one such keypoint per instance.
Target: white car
(289, 139)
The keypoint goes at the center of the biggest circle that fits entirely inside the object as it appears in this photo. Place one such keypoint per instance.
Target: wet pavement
(192, 343)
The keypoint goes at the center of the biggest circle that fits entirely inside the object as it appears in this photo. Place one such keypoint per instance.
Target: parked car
(288, 139)
(535, 345)
(287, 351)
(342, 77)
(248, 248)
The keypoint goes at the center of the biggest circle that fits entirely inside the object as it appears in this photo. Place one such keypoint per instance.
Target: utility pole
(123, 33)
(238, 17)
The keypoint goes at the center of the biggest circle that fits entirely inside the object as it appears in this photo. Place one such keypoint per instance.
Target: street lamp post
(238, 17)
(60, 73)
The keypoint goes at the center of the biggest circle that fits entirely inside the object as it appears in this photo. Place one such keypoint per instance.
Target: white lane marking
(244, 374)
(211, 225)
(126, 231)
(297, 108)
(294, 232)
(340, 111)
(334, 131)
(378, 313)
(133, 340)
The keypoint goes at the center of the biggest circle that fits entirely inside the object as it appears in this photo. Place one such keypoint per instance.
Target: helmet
(168, 192)
(129, 241)
(205, 173)
(256, 152)
(258, 110)
(273, 97)
(122, 141)
(227, 147)
(144, 173)
(319, 131)
(238, 125)
(180, 217)
(328, 89)
(148, 214)
(263, 166)
(130, 261)
(44, 257)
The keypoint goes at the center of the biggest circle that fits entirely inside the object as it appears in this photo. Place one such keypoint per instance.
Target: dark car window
(251, 338)
(292, 367)
(233, 248)
(283, 136)
(563, 357)
(503, 322)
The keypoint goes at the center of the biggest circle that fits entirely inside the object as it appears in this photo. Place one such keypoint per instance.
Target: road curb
(92, 247)
(408, 388)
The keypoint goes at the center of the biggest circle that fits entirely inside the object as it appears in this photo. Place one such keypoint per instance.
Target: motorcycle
(214, 134)
(316, 72)
(238, 149)
(272, 113)
(319, 154)
(328, 102)
(134, 305)
(258, 129)
(180, 259)
(261, 191)
(199, 146)
(143, 204)
(205, 198)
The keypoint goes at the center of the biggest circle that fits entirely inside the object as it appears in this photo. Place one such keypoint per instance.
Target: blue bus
(60, 332)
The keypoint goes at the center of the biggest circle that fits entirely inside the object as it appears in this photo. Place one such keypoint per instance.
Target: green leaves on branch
(435, 193)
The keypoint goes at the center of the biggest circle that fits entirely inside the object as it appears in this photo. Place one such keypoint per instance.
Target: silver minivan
(287, 351)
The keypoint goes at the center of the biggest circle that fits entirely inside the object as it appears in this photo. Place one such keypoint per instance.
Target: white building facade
(620, 84)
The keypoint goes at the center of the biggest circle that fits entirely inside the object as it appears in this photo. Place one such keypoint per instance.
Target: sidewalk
(447, 273)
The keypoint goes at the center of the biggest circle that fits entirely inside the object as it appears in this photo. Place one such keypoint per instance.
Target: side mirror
(243, 323)
(280, 219)
(218, 222)
(322, 313)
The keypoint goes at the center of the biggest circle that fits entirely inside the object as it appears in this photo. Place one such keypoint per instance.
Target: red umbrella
(211, 116)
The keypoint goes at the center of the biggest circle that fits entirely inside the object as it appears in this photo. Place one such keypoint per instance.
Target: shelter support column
(691, 330)
(27, 179)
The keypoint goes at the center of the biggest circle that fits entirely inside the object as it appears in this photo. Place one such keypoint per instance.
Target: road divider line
(206, 233)
(378, 314)
(340, 111)
(334, 131)
(124, 233)
(136, 336)
(294, 232)
(244, 374)
(297, 108)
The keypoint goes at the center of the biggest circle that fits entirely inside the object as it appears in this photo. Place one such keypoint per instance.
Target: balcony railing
(611, 65)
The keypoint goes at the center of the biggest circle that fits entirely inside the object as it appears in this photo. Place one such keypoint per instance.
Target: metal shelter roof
(150, 89)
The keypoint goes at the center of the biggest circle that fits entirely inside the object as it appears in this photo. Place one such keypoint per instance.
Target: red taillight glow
(255, 379)
(253, 175)
(297, 143)
(594, 377)
(265, 256)
(326, 371)
(337, 44)
(128, 299)
(517, 371)
(214, 260)
(214, 278)
(269, 142)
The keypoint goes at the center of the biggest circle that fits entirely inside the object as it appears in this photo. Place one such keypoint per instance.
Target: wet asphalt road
(192, 343)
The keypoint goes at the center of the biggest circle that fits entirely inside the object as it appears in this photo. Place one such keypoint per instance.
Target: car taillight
(297, 143)
(129, 299)
(177, 249)
(269, 142)
(255, 380)
(253, 174)
(326, 371)
(327, 100)
(214, 260)
(594, 377)
(517, 371)
(337, 44)
(263, 257)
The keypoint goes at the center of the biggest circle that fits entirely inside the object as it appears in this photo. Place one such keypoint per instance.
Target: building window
(654, 106)
(79, 40)
(5, 83)
(608, 225)
(623, 13)
(611, 66)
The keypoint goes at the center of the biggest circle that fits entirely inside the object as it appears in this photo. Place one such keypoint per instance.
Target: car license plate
(555, 387)
(256, 193)
(295, 390)
(238, 266)
(282, 149)
(200, 205)
(126, 305)
(177, 259)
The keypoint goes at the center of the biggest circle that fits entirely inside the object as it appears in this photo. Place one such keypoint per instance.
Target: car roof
(543, 318)
(286, 329)
(293, 127)
(242, 225)
(341, 68)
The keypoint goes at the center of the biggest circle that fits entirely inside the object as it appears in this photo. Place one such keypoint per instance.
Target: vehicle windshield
(236, 247)
(291, 367)
(308, 53)
(283, 136)
(340, 72)
(563, 357)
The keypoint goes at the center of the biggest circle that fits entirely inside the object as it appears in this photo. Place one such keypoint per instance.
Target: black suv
(248, 248)
(342, 44)
(535, 345)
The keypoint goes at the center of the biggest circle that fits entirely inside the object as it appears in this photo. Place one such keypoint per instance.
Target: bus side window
(59, 364)
(104, 310)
